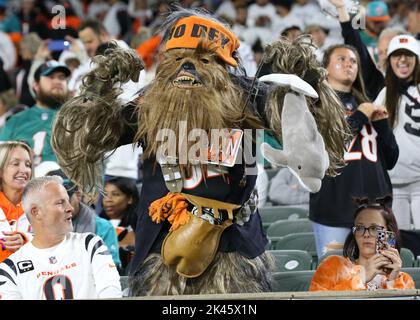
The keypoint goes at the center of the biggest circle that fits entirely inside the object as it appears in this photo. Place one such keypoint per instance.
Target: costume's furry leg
(228, 273)
(91, 124)
(298, 58)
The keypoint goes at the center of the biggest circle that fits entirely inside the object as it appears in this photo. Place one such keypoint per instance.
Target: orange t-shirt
(12, 213)
(338, 273)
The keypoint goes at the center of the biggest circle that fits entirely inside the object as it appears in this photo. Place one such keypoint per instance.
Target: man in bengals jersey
(57, 264)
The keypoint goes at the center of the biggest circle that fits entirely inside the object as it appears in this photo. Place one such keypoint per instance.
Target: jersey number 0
(58, 287)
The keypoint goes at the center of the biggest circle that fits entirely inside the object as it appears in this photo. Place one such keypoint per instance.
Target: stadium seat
(415, 274)
(299, 241)
(407, 258)
(284, 227)
(292, 281)
(291, 260)
(275, 213)
(124, 282)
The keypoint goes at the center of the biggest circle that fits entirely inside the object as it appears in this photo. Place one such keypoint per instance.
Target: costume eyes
(204, 60)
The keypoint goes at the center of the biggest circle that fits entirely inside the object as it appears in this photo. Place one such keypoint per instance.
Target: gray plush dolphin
(303, 147)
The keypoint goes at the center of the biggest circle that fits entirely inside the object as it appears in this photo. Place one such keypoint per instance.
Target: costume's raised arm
(96, 121)
(304, 112)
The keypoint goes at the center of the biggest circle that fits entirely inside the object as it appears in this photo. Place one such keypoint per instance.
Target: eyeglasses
(360, 230)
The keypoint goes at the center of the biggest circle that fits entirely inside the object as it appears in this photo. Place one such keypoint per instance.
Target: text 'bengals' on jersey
(80, 267)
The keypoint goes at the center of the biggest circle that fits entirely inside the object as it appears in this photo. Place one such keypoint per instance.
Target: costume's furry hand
(91, 124)
(116, 66)
(119, 65)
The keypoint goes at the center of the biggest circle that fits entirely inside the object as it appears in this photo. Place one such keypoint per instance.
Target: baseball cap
(49, 67)
(67, 183)
(404, 41)
(377, 11)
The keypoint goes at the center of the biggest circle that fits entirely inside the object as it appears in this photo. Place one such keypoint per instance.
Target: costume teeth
(193, 81)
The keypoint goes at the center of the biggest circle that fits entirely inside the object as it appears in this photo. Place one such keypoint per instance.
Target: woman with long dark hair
(401, 96)
(369, 155)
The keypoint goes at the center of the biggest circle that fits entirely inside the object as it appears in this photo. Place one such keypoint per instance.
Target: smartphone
(385, 240)
(58, 45)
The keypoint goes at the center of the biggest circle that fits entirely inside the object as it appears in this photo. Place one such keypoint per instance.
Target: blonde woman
(15, 173)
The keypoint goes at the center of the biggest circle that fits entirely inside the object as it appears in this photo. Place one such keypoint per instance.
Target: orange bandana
(189, 32)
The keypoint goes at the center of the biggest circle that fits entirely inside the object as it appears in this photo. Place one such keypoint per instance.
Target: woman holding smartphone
(362, 267)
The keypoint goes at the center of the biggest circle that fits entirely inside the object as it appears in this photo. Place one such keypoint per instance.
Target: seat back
(407, 258)
(124, 282)
(284, 227)
(291, 260)
(275, 213)
(299, 241)
(292, 281)
(415, 274)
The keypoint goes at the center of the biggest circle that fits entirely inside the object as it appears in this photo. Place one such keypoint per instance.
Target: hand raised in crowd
(343, 15)
(43, 53)
(12, 241)
(74, 45)
(367, 109)
(374, 266)
(379, 114)
(337, 3)
(394, 262)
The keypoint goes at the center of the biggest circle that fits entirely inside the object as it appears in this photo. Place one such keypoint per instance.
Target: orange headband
(189, 32)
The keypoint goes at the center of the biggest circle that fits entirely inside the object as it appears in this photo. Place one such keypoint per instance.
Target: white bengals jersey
(80, 267)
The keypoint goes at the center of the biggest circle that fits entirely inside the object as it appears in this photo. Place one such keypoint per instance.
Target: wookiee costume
(198, 230)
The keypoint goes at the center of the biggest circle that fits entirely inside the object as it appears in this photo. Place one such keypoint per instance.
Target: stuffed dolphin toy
(303, 147)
